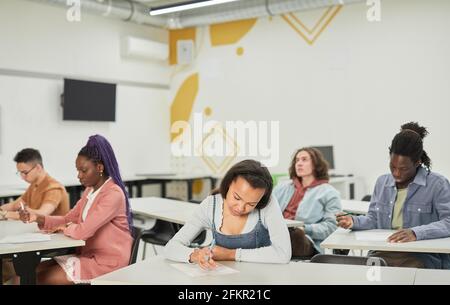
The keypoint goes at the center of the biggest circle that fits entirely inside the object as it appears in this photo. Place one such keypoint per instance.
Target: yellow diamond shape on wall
(218, 138)
(311, 34)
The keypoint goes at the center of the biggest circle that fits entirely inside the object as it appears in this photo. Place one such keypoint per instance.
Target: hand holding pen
(344, 220)
(205, 258)
(25, 214)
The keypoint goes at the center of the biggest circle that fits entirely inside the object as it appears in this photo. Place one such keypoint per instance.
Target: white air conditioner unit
(140, 48)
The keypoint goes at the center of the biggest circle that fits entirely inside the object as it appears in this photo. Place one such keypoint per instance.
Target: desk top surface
(346, 239)
(159, 271)
(12, 227)
(355, 206)
(173, 210)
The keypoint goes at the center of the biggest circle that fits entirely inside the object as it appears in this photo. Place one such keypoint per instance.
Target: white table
(158, 271)
(432, 277)
(345, 239)
(26, 256)
(355, 206)
(173, 210)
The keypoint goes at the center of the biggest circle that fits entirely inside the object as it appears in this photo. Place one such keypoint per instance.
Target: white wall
(352, 88)
(38, 38)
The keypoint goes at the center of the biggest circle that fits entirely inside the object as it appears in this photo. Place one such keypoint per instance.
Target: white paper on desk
(25, 238)
(194, 270)
(372, 236)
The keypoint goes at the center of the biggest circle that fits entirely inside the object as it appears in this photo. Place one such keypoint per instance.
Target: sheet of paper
(194, 270)
(372, 236)
(25, 238)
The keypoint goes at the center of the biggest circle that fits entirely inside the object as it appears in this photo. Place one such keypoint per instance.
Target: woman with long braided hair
(102, 218)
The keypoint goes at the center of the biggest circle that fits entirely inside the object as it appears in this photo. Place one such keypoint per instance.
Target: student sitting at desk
(309, 197)
(102, 218)
(245, 221)
(412, 200)
(44, 196)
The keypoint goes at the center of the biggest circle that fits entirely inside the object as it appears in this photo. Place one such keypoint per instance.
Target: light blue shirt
(426, 210)
(317, 209)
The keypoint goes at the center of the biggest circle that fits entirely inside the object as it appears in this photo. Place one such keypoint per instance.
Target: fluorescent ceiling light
(188, 5)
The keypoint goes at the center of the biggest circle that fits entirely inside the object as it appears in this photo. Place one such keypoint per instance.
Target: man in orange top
(45, 196)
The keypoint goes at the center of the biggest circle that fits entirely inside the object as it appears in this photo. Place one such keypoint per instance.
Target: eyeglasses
(25, 173)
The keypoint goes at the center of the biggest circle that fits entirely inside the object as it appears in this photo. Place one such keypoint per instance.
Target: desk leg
(189, 189)
(1, 271)
(163, 189)
(25, 265)
(139, 189)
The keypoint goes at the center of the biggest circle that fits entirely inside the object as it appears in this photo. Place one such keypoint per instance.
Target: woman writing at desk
(245, 220)
(412, 200)
(101, 217)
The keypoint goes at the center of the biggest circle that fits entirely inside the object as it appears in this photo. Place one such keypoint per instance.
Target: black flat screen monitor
(327, 152)
(89, 101)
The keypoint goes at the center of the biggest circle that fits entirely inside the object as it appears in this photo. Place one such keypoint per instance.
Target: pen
(344, 215)
(211, 246)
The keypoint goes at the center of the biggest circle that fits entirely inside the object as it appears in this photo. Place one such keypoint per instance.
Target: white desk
(26, 256)
(345, 239)
(355, 206)
(432, 277)
(158, 271)
(173, 210)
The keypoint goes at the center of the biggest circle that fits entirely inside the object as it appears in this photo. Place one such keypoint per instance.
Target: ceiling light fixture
(188, 5)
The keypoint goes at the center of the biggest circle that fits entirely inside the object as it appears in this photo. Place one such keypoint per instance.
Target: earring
(101, 173)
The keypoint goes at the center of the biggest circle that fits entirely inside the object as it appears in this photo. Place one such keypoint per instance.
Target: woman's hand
(57, 229)
(204, 258)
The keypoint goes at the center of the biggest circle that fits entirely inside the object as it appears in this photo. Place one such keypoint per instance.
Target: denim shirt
(426, 209)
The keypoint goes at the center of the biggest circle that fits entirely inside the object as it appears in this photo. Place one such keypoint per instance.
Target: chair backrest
(366, 198)
(200, 239)
(348, 260)
(135, 245)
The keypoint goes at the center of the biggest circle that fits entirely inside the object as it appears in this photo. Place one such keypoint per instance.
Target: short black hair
(29, 155)
(409, 143)
(256, 174)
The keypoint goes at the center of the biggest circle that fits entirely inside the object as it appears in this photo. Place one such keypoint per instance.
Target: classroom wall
(38, 41)
(329, 77)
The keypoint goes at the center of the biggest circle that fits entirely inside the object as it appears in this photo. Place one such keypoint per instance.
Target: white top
(278, 252)
(158, 271)
(91, 197)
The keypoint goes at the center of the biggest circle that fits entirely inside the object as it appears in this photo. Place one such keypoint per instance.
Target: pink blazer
(105, 231)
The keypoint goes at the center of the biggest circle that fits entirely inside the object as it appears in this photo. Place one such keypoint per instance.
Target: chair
(200, 239)
(135, 245)
(348, 260)
(159, 234)
(366, 198)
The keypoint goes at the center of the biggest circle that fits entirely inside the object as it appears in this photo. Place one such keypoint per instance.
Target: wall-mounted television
(88, 101)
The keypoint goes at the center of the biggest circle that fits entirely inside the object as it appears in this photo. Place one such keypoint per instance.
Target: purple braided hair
(98, 149)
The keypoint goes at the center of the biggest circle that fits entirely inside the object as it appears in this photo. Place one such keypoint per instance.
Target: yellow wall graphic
(230, 32)
(310, 35)
(174, 36)
(181, 107)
